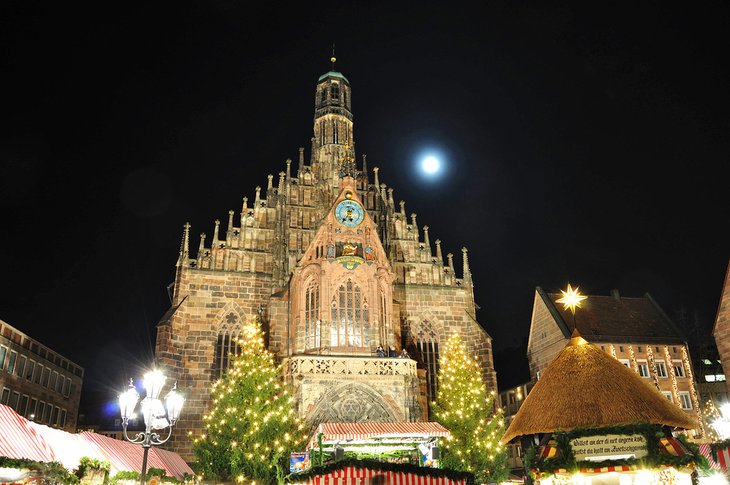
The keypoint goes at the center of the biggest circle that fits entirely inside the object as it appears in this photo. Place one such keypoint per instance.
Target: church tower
(334, 270)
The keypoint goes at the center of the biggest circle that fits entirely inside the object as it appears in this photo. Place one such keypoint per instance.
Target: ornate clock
(349, 213)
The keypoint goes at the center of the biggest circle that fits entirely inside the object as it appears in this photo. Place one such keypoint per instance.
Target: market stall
(591, 420)
(383, 441)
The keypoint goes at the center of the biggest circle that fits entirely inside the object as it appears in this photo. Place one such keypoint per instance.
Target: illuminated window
(643, 368)
(661, 368)
(350, 326)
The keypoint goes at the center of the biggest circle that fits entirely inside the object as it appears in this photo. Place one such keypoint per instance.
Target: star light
(571, 299)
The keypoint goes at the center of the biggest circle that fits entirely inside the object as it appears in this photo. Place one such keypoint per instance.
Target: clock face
(349, 213)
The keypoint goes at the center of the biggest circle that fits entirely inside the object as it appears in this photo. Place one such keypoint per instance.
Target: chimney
(615, 295)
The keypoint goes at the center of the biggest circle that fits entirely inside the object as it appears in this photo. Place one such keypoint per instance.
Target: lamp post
(156, 419)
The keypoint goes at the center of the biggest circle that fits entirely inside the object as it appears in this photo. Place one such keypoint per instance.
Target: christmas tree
(252, 425)
(464, 407)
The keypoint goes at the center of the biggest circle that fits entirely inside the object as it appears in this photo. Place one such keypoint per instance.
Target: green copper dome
(333, 74)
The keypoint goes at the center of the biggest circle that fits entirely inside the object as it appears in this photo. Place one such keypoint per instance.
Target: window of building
(55, 416)
(5, 396)
(625, 362)
(46, 376)
(427, 346)
(52, 383)
(323, 95)
(668, 395)
(3, 353)
(674, 350)
(656, 349)
(59, 383)
(41, 411)
(29, 370)
(21, 365)
(640, 349)
(38, 373)
(661, 368)
(312, 323)
(620, 348)
(678, 367)
(23, 404)
(350, 319)
(66, 386)
(63, 418)
(12, 360)
(32, 408)
(643, 368)
(14, 397)
(335, 91)
(684, 400)
(49, 412)
(227, 345)
(335, 132)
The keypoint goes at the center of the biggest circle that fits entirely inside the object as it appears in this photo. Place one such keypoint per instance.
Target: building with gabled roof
(721, 327)
(634, 331)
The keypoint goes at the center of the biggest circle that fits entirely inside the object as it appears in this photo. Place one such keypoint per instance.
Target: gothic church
(333, 268)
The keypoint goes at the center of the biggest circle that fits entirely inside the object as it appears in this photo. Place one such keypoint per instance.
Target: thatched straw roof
(585, 387)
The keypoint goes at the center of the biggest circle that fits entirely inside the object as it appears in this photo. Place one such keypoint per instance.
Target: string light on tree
(252, 425)
(464, 407)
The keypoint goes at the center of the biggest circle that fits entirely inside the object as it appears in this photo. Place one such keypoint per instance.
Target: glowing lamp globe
(153, 383)
(174, 402)
(128, 401)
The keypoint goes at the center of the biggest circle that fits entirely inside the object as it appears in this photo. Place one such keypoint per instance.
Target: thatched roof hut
(585, 387)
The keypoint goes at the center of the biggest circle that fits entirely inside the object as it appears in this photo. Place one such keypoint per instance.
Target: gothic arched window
(384, 327)
(226, 345)
(335, 91)
(427, 345)
(312, 324)
(350, 315)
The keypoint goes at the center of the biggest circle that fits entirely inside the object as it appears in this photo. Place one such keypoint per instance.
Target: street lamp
(156, 419)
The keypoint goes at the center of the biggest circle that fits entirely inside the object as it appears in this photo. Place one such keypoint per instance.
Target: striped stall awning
(21, 438)
(723, 457)
(367, 476)
(18, 440)
(123, 455)
(336, 432)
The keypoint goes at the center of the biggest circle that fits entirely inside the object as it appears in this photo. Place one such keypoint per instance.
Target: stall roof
(350, 432)
(18, 440)
(25, 439)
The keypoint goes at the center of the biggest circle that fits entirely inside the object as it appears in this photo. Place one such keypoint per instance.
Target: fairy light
(673, 377)
(632, 356)
(690, 378)
(652, 366)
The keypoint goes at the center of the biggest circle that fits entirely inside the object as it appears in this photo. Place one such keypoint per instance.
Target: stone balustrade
(303, 365)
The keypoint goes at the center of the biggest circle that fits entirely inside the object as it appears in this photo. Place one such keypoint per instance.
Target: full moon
(431, 165)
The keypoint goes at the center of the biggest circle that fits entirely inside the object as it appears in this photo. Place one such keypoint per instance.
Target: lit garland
(652, 366)
(464, 408)
(613, 352)
(670, 370)
(634, 364)
(691, 380)
(252, 426)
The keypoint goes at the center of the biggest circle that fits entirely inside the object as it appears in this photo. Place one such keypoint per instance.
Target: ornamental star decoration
(571, 299)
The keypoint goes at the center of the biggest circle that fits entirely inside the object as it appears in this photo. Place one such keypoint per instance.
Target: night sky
(583, 145)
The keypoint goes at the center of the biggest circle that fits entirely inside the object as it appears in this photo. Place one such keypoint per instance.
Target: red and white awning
(18, 440)
(21, 438)
(359, 432)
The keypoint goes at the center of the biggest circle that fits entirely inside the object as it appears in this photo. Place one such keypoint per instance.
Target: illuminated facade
(334, 269)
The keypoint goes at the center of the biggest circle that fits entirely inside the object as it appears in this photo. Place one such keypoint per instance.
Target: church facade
(334, 269)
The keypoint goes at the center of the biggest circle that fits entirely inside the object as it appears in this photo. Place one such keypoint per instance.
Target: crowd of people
(380, 352)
